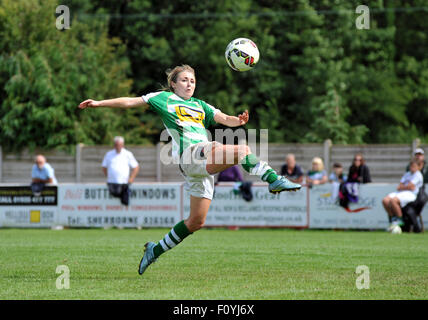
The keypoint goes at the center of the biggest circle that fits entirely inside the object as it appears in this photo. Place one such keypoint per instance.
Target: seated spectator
(406, 192)
(419, 155)
(336, 178)
(233, 174)
(291, 170)
(337, 174)
(349, 190)
(317, 175)
(230, 174)
(359, 172)
(41, 174)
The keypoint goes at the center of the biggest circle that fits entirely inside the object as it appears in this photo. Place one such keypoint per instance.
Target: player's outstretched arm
(123, 103)
(232, 121)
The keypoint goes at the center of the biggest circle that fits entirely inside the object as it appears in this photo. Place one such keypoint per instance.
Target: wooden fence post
(326, 150)
(79, 148)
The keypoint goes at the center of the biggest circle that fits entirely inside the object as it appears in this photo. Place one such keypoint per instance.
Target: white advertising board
(287, 209)
(368, 213)
(20, 208)
(91, 205)
(165, 204)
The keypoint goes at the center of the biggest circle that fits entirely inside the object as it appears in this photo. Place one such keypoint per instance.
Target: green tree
(45, 73)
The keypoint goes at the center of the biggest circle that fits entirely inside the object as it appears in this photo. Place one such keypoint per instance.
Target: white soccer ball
(396, 230)
(242, 54)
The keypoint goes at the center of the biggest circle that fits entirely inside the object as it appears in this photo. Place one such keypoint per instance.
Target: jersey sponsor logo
(186, 114)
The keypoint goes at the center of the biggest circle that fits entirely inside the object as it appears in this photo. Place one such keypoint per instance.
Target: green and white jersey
(185, 120)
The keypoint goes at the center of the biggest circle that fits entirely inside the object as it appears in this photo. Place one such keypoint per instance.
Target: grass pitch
(213, 264)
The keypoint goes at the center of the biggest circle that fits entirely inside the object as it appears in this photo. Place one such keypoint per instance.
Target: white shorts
(193, 167)
(405, 197)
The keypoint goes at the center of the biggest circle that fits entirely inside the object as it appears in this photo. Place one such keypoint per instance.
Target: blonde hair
(319, 161)
(172, 75)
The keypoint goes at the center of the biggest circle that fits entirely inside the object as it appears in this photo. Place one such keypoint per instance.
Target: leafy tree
(45, 73)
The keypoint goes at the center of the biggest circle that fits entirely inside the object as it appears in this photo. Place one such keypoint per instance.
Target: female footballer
(186, 119)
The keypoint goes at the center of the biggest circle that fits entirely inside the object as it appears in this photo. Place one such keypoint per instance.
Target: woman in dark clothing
(359, 172)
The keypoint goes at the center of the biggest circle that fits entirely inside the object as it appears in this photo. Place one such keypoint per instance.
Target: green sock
(253, 165)
(172, 238)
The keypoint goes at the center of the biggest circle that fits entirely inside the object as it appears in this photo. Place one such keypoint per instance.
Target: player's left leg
(221, 157)
(198, 212)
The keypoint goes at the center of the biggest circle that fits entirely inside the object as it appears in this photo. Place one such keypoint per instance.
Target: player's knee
(195, 224)
(247, 149)
(243, 150)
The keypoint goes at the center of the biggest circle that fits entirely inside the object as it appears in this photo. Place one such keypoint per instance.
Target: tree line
(318, 77)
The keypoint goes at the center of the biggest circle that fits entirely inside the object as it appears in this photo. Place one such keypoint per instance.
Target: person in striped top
(186, 119)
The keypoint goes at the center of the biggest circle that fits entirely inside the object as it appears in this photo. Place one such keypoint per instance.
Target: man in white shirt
(407, 192)
(120, 168)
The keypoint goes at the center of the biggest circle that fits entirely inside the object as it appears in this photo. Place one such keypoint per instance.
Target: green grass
(213, 264)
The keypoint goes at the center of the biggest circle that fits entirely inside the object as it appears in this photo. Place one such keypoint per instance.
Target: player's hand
(89, 103)
(243, 117)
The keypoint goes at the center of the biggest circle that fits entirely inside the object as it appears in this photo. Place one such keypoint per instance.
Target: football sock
(253, 165)
(390, 219)
(172, 238)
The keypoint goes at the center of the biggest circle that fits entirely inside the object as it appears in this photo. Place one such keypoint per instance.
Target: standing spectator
(317, 175)
(291, 170)
(406, 192)
(419, 155)
(116, 167)
(359, 172)
(42, 173)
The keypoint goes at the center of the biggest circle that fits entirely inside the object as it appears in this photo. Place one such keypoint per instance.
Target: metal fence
(387, 162)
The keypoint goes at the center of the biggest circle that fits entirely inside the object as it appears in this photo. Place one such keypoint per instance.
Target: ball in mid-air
(396, 230)
(242, 54)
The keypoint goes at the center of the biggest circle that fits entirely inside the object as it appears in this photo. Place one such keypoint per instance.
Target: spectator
(336, 178)
(291, 170)
(349, 190)
(419, 155)
(317, 175)
(359, 172)
(337, 174)
(116, 167)
(406, 192)
(233, 174)
(41, 174)
(230, 174)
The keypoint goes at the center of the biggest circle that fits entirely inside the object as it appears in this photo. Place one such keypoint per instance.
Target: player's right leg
(220, 157)
(198, 212)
